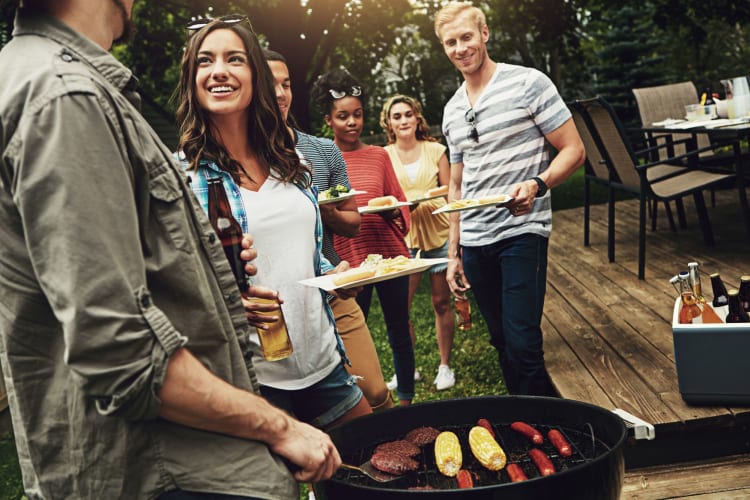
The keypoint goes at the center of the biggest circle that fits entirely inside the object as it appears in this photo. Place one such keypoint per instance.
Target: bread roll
(382, 201)
(440, 190)
(353, 275)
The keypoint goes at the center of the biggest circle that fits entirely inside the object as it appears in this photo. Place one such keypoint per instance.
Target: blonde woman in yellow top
(421, 164)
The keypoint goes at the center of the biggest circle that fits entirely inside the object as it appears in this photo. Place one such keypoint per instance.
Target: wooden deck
(608, 341)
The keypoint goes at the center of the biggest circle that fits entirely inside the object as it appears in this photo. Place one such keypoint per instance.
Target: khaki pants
(361, 352)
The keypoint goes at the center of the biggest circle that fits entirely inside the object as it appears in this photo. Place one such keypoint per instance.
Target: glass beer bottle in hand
(463, 313)
(227, 229)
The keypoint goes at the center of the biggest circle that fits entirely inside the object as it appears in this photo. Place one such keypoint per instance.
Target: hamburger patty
(393, 463)
(422, 435)
(400, 447)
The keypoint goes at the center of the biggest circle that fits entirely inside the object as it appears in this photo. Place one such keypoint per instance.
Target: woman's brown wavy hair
(267, 132)
(423, 129)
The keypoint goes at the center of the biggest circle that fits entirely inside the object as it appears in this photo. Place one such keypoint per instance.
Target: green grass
(474, 360)
(11, 487)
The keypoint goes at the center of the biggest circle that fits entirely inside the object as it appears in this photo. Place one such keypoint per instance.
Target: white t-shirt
(281, 220)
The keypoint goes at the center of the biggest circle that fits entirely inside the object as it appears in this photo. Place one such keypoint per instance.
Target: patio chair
(597, 170)
(668, 101)
(664, 102)
(671, 183)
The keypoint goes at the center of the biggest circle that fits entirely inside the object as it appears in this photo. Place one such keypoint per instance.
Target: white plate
(418, 265)
(450, 207)
(374, 210)
(341, 197)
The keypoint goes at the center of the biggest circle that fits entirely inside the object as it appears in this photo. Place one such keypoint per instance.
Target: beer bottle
(689, 311)
(709, 97)
(745, 292)
(707, 313)
(463, 313)
(736, 313)
(695, 282)
(720, 291)
(227, 229)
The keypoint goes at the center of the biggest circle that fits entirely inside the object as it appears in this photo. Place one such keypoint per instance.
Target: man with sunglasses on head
(123, 339)
(497, 126)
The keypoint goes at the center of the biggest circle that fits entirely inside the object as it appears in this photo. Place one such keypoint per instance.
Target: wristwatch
(542, 187)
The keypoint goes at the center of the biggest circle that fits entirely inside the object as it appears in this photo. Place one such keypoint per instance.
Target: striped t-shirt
(329, 170)
(515, 110)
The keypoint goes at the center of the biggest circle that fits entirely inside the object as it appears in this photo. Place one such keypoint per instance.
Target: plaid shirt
(199, 185)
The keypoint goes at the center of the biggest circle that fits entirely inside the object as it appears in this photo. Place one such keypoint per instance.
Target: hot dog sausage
(542, 462)
(516, 473)
(559, 442)
(528, 431)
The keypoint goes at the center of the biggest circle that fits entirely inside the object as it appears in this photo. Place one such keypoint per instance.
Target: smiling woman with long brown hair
(232, 128)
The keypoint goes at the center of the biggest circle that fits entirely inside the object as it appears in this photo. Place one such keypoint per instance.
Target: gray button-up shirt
(107, 266)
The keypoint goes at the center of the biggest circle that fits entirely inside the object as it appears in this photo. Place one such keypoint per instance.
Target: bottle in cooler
(736, 313)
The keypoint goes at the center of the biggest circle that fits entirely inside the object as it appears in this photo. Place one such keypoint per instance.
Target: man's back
(106, 269)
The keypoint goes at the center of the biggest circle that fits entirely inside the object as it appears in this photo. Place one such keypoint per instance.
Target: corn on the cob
(486, 449)
(448, 457)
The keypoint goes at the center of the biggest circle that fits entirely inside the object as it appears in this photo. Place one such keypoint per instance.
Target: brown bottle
(227, 229)
(736, 313)
(745, 292)
(708, 315)
(690, 312)
(720, 291)
(463, 313)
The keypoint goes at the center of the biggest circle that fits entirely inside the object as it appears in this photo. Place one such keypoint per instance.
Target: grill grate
(584, 444)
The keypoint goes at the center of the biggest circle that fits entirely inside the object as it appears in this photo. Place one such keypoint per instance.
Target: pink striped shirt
(370, 170)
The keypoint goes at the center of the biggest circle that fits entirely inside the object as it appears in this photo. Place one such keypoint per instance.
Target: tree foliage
(585, 46)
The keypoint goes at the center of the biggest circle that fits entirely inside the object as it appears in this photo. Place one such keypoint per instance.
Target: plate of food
(382, 204)
(498, 200)
(374, 269)
(431, 194)
(336, 194)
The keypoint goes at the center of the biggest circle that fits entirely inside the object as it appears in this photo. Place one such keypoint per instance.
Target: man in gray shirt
(497, 126)
(123, 339)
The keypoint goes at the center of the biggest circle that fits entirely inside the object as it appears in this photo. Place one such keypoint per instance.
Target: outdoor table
(720, 133)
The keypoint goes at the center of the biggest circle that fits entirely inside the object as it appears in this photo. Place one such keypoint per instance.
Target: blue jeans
(509, 281)
(320, 404)
(394, 300)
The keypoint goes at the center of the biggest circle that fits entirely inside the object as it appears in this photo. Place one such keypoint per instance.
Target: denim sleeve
(81, 203)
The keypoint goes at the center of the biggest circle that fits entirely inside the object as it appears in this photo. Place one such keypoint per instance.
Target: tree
(628, 57)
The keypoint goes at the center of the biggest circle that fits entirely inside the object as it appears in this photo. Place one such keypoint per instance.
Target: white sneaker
(445, 378)
(393, 383)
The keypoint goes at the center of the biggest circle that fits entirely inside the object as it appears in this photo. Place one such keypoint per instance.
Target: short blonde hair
(454, 9)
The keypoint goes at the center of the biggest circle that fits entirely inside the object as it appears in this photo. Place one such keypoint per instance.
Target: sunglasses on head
(471, 119)
(355, 91)
(196, 24)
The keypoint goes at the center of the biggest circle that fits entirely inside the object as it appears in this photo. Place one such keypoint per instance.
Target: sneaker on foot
(445, 378)
(393, 383)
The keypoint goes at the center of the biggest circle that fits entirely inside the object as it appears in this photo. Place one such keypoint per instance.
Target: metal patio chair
(658, 180)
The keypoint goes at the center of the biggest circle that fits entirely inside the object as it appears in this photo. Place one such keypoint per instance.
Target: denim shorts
(435, 253)
(320, 404)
